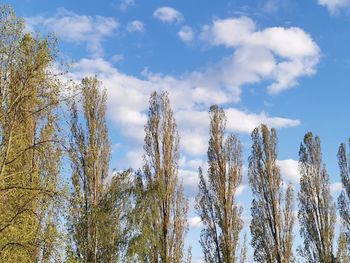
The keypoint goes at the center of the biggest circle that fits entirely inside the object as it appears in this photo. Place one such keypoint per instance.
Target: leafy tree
(342, 251)
(29, 150)
(98, 205)
(317, 214)
(216, 202)
(114, 216)
(160, 204)
(272, 215)
(344, 198)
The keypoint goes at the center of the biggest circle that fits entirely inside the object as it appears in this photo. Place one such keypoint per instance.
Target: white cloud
(168, 14)
(197, 122)
(133, 159)
(241, 121)
(128, 102)
(336, 187)
(193, 164)
(271, 6)
(189, 178)
(81, 29)
(279, 54)
(195, 222)
(117, 58)
(229, 32)
(240, 189)
(135, 26)
(289, 170)
(191, 94)
(127, 95)
(186, 34)
(125, 4)
(334, 6)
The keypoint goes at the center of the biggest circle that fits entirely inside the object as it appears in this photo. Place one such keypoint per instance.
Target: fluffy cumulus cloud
(289, 170)
(186, 34)
(195, 222)
(127, 95)
(257, 56)
(72, 27)
(128, 102)
(335, 6)
(168, 14)
(197, 122)
(281, 55)
(136, 26)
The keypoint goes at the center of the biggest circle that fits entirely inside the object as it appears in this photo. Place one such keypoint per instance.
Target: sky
(280, 62)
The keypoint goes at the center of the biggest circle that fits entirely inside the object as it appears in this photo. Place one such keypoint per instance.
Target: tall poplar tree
(216, 202)
(90, 154)
(29, 149)
(100, 202)
(343, 254)
(317, 212)
(344, 198)
(160, 198)
(272, 215)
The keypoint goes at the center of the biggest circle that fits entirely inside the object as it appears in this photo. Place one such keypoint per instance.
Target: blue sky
(282, 62)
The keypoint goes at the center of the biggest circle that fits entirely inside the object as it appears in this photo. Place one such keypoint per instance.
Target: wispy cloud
(74, 28)
(117, 58)
(334, 6)
(136, 26)
(168, 14)
(272, 6)
(289, 170)
(124, 5)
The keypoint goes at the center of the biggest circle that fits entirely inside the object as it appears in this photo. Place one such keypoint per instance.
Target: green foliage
(29, 152)
(344, 198)
(161, 208)
(272, 215)
(317, 212)
(216, 204)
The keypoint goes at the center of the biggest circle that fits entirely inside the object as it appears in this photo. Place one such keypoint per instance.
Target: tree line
(59, 202)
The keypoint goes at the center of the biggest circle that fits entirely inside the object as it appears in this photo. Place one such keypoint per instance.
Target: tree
(216, 202)
(272, 216)
(95, 205)
(342, 251)
(317, 214)
(29, 150)
(114, 216)
(344, 198)
(161, 205)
